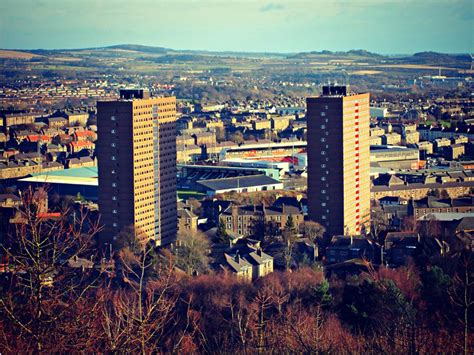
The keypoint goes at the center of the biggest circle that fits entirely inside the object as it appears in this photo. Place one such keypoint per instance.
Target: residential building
(391, 139)
(375, 140)
(411, 137)
(377, 132)
(280, 123)
(401, 246)
(454, 151)
(338, 160)
(343, 249)
(261, 124)
(427, 147)
(187, 221)
(56, 122)
(137, 165)
(394, 157)
(248, 261)
(431, 204)
(240, 221)
(440, 143)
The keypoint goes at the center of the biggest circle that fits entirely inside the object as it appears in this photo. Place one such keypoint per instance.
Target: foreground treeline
(63, 292)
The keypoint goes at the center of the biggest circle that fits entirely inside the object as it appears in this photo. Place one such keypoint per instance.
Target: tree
(221, 234)
(237, 138)
(134, 316)
(50, 257)
(258, 228)
(220, 134)
(313, 231)
(378, 223)
(290, 236)
(192, 252)
(462, 295)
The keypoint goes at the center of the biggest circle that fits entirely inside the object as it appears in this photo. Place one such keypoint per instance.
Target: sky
(382, 26)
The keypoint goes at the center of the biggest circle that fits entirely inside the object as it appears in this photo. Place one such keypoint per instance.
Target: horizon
(390, 27)
(318, 51)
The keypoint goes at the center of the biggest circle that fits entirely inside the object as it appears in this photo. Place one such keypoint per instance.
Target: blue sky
(383, 26)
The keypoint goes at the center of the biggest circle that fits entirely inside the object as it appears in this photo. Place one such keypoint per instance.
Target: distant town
(164, 167)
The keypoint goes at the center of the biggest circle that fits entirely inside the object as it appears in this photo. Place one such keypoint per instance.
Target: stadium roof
(238, 182)
(445, 217)
(83, 172)
(77, 176)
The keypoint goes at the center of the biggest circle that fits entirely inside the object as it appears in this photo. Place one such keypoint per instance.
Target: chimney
(235, 209)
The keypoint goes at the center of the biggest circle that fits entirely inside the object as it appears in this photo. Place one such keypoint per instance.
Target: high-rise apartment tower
(339, 160)
(137, 165)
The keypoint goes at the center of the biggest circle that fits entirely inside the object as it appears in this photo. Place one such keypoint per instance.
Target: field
(366, 72)
(7, 54)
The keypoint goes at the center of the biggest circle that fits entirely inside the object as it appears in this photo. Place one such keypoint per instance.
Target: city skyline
(389, 27)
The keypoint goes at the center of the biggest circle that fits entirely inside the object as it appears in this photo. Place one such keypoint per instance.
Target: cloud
(271, 7)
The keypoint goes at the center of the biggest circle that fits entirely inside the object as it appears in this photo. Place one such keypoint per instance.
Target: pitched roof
(4, 197)
(185, 213)
(84, 133)
(37, 137)
(257, 257)
(82, 144)
(236, 263)
(465, 224)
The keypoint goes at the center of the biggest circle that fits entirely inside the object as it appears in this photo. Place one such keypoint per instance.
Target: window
(112, 118)
(113, 145)
(114, 211)
(114, 198)
(114, 184)
(323, 126)
(323, 178)
(323, 152)
(323, 204)
(323, 166)
(114, 224)
(113, 157)
(323, 114)
(112, 131)
(323, 140)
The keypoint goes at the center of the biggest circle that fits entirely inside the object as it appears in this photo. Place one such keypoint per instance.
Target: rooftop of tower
(336, 90)
(130, 94)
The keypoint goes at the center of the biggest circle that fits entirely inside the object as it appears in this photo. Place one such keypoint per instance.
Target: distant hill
(353, 53)
(175, 58)
(138, 48)
(167, 55)
(439, 59)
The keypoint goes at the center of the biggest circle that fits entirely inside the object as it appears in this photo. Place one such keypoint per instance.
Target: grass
(190, 194)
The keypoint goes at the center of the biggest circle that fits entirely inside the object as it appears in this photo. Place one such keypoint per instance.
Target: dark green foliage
(371, 307)
(221, 234)
(435, 289)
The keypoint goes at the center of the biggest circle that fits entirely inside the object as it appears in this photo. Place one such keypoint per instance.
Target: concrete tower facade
(339, 160)
(137, 165)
